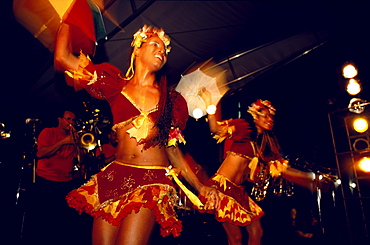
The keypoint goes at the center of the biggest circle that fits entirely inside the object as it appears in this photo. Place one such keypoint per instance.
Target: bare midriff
(129, 151)
(235, 168)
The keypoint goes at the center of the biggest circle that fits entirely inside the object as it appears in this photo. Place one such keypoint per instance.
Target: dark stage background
(304, 90)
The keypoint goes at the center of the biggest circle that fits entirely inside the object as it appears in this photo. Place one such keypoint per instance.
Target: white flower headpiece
(141, 36)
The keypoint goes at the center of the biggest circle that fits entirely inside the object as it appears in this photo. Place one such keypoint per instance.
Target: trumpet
(87, 140)
(84, 139)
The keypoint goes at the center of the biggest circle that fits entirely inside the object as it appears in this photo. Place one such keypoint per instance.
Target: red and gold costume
(121, 188)
(236, 206)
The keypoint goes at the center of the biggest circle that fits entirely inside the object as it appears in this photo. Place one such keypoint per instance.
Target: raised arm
(63, 57)
(212, 119)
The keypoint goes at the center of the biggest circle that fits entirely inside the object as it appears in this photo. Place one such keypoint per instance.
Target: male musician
(56, 150)
(56, 157)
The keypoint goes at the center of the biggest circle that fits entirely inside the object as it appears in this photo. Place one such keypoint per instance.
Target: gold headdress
(141, 36)
(256, 107)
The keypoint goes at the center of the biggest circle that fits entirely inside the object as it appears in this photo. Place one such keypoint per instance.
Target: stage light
(353, 86)
(364, 164)
(4, 134)
(197, 113)
(360, 125)
(349, 70)
(353, 185)
(338, 181)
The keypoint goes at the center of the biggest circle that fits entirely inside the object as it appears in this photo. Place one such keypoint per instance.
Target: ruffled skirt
(120, 189)
(236, 206)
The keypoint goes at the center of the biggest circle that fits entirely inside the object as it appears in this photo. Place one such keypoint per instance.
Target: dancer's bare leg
(255, 233)
(103, 233)
(234, 234)
(135, 229)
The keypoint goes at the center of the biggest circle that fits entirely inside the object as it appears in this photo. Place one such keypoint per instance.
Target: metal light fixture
(356, 105)
(360, 144)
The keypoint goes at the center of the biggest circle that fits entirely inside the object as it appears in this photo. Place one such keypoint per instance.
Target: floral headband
(142, 36)
(146, 32)
(256, 107)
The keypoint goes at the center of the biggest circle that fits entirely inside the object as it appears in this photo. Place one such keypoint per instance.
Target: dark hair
(164, 118)
(248, 117)
(60, 112)
(270, 148)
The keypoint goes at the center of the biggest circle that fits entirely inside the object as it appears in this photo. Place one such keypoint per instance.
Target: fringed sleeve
(101, 81)
(234, 129)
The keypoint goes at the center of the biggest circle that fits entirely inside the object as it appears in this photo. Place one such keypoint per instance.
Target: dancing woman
(135, 191)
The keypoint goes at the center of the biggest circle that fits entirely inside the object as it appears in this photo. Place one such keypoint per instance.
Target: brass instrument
(87, 140)
(77, 166)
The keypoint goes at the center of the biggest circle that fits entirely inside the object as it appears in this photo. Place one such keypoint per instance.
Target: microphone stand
(29, 163)
(26, 179)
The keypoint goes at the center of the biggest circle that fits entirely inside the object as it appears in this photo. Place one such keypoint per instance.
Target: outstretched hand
(213, 200)
(205, 95)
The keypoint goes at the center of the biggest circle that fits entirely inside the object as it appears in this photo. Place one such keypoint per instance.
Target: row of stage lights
(357, 105)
